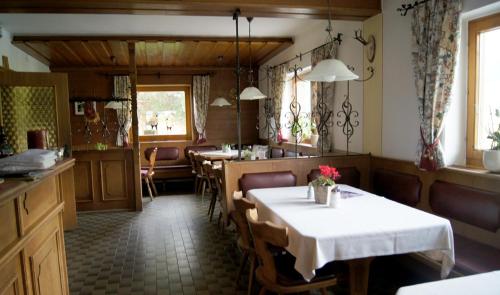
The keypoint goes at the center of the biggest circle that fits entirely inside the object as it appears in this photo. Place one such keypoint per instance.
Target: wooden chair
(280, 277)
(212, 186)
(192, 161)
(241, 205)
(147, 174)
(220, 198)
(205, 180)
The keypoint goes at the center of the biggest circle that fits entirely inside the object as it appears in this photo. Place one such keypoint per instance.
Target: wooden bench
(477, 208)
(400, 187)
(168, 165)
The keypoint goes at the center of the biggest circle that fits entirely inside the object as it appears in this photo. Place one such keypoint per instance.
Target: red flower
(329, 172)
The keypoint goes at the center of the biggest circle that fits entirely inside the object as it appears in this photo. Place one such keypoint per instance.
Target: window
(303, 98)
(164, 112)
(484, 78)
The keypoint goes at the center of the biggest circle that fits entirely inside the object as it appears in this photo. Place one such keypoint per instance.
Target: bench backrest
(163, 153)
(250, 181)
(470, 205)
(400, 187)
(348, 175)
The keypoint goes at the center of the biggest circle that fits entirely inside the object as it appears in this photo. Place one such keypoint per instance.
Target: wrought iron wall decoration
(269, 110)
(324, 114)
(349, 116)
(407, 7)
(369, 44)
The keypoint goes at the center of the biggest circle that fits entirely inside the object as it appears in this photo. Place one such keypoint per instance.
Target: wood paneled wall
(221, 122)
(479, 180)
(300, 167)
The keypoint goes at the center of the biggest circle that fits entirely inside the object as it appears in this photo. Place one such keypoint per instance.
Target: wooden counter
(32, 254)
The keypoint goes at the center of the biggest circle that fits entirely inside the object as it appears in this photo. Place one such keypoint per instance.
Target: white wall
(350, 52)
(18, 60)
(400, 122)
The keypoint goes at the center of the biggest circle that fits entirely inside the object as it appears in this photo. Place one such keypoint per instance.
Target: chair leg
(196, 184)
(203, 188)
(146, 179)
(212, 206)
(220, 223)
(155, 192)
(251, 274)
(243, 263)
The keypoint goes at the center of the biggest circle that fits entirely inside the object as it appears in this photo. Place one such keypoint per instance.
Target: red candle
(37, 139)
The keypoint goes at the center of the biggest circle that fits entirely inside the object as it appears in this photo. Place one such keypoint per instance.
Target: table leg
(359, 270)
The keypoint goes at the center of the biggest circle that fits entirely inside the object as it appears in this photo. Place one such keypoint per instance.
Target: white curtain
(201, 95)
(123, 109)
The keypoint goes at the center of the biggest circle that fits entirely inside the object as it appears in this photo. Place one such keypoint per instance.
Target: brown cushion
(348, 175)
(163, 154)
(400, 187)
(467, 204)
(198, 148)
(277, 152)
(266, 180)
(473, 257)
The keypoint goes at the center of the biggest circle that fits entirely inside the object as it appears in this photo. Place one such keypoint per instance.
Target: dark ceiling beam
(318, 9)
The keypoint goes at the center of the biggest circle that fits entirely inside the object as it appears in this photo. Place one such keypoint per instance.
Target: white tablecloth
(220, 153)
(481, 284)
(364, 226)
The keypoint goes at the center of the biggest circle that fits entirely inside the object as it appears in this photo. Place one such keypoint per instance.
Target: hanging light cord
(329, 29)
(250, 72)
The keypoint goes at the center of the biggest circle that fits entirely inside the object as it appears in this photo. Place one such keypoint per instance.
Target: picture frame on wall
(79, 107)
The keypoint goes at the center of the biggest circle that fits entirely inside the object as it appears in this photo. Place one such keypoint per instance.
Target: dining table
(219, 155)
(361, 227)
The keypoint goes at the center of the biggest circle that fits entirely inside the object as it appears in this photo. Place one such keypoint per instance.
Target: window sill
(474, 171)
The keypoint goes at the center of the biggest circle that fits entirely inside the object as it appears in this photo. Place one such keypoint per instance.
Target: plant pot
(314, 140)
(322, 194)
(491, 160)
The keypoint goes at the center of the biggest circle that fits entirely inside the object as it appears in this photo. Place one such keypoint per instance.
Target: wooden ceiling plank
(24, 46)
(280, 48)
(71, 53)
(89, 52)
(119, 52)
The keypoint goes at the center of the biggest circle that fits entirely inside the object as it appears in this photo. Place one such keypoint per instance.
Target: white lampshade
(251, 93)
(329, 70)
(117, 105)
(220, 102)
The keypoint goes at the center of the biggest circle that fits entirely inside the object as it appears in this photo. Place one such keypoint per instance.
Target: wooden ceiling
(66, 53)
(341, 9)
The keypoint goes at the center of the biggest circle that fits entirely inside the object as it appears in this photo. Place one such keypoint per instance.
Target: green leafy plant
(314, 129)
(495, 135)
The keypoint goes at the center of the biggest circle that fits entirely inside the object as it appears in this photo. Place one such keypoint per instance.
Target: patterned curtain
(435, 28)
(277, 85)
(323, 88)
(123, 109)
(201, 94)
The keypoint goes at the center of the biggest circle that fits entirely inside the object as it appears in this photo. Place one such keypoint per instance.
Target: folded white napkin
(34, 159)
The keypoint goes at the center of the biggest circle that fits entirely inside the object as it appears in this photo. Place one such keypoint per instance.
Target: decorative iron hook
(406, 7)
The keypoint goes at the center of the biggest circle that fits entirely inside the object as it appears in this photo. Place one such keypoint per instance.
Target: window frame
(476, 27)
(187, 97)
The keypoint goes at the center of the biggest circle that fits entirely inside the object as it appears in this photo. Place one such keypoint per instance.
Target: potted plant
(226, 148)
(314, 135)
(324, 184)
(491, 158)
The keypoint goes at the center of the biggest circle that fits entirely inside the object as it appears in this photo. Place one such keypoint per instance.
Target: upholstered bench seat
(472, 257)
(475, 207)
(266, 180)
(400, 187)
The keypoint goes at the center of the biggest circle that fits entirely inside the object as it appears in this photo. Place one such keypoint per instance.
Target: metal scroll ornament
(349, 122)
(324, 115)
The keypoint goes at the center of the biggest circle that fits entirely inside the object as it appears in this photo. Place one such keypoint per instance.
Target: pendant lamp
(220, 102)
(251, 92)
(329, 70)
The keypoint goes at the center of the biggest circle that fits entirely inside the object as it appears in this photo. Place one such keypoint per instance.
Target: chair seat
(472, 257)
(288, 276)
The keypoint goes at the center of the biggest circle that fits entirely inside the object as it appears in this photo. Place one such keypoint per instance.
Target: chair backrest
(198, 164)
(266, 234)
(348, 175)
(199, 148)
(250, 181)
(152, 160)
(241, 205)
(192, 160)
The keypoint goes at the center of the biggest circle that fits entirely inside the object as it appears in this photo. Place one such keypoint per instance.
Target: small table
(363, 227)
(219, 155)
(480, 284)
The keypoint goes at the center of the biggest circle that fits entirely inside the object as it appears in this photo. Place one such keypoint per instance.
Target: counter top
(12, 188)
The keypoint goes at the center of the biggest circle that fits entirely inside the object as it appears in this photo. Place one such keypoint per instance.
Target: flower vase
(322, 194)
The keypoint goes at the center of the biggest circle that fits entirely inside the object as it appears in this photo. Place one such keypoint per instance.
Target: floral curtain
(318, 89)
(277, 85)
(435, 28)
(201, 94)
(123, 109)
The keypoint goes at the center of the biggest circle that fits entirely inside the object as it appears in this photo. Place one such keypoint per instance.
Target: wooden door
(11, 280)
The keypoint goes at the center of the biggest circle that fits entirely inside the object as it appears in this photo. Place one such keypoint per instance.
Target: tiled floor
(168, 248)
